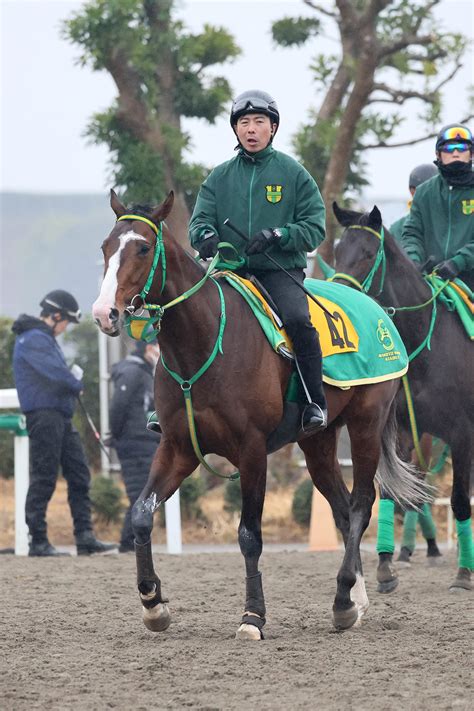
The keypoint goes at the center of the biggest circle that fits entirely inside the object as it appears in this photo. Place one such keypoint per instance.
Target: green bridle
(380, 260)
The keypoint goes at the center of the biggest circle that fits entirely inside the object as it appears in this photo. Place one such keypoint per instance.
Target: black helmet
(422, 172)
(454, 132)
(254, 101)
(62, 302)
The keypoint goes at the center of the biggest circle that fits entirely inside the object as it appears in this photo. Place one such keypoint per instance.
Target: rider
(273, 198)
(418, 175)
(440, 225)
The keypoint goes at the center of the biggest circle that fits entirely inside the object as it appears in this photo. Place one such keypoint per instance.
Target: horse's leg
(387, 578)
(323, 466)
(461, 457)
(365, 446)
(253, 470)
(169, 468)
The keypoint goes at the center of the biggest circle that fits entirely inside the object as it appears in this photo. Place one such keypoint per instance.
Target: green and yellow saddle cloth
(360, 344)
(457, 297)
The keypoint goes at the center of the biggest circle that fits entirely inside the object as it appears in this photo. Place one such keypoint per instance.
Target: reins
(153, 325)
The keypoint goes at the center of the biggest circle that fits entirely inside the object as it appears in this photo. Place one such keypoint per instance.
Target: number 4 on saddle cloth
(360, 343)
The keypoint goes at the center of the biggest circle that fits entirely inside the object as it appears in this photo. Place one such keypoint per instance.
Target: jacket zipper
(449, 221)
(250, 201)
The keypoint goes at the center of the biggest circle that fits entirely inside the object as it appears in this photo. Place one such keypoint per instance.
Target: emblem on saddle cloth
(274, 193)
(468, 207)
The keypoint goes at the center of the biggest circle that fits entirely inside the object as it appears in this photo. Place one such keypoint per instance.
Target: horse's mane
(142, 210)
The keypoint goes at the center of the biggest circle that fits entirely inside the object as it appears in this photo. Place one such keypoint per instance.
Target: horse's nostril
(113, 315)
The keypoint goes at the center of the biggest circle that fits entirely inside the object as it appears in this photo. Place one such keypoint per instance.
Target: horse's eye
(144, 249)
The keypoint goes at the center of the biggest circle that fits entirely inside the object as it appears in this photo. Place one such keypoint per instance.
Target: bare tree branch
(318, 8)
(382, 144)
(403, 42)
(398, 96)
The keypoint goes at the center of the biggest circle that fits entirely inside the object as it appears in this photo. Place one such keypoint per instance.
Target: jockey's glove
(208, 247)
(261, 241)
(447, 270)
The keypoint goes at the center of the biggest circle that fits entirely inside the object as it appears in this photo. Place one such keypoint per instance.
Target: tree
(162, 74)
(391, 52)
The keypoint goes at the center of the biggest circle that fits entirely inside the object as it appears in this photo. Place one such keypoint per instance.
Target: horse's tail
(399, 480)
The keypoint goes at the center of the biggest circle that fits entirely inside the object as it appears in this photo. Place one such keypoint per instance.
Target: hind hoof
(462, 581)
(387, 586)
(158, 618)
(249, 633)
(345, 619)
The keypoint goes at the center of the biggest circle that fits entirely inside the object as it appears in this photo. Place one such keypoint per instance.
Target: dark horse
(441, 375)
(237, 403)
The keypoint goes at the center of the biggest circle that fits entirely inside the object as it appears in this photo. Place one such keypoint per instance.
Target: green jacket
(267, 190)
(441, 224)
(396, 229)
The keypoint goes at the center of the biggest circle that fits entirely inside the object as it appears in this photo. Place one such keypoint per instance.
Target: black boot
(315, 413)
(43, 549)
(87, 544)
(404, 555)
(153, 424)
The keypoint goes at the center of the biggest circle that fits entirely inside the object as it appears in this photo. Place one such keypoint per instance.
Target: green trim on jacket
(441, 224)
(267, 190)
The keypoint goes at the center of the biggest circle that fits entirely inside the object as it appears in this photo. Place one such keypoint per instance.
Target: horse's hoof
(248, 632)
(434, 561)
(462, 581)
(158, 618)
(402, 564)
(387, 578)
(345, 619)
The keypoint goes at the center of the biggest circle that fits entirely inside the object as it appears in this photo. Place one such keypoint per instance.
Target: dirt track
(72, 638)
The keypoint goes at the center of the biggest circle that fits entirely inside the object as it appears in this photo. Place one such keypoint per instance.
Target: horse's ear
(116, 205)
(345, 217)
(375, 219)
(161, 212)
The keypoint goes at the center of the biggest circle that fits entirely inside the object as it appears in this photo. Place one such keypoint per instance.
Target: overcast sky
(47, 99)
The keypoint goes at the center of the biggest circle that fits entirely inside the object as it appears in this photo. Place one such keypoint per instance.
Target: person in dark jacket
(418, 175)
(440, 227)
(274, 200)
(132, 402)
(47, 391)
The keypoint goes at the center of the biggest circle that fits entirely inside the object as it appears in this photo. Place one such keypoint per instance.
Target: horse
(441, 373)
(237, 403)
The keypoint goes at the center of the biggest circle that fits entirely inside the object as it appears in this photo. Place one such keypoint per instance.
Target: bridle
(380, 261)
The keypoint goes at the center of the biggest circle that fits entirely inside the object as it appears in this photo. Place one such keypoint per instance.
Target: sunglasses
(457, 132)
(451, 147)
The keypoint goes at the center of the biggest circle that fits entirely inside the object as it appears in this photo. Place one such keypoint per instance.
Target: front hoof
(249, 633)
(387, 578)
(158, 618)
(462, 581)
(387, 586)
(345, 619)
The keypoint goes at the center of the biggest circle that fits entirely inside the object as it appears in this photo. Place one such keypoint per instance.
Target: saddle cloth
(359, 342)
(457, 296)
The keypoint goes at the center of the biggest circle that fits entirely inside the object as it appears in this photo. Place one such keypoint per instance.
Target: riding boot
(315, 413)
(40, 547)
(153, 424)
(87, 544)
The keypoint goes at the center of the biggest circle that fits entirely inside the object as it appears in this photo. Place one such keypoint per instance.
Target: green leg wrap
(466, 552)
(385, 530)
(409, 530)
(427, 524)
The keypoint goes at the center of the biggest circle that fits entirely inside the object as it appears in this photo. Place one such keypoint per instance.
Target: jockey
(418, 175)
(275, 200)
(440, 227)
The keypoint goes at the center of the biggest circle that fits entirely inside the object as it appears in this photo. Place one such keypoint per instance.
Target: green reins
(153, 325)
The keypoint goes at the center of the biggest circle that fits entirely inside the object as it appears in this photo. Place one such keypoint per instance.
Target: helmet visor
(460, 133)
(254, 105)
(455, 146)
(74, 316)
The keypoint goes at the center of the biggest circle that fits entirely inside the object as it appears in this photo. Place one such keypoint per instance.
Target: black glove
(262, 241)
(426, 267)
(447, 270)
(208, 247)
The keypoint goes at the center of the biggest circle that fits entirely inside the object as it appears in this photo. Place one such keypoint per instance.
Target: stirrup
(152, 423)
(310, 427)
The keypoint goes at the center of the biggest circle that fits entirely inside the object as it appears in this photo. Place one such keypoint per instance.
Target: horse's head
(357, 250)
(128, 258)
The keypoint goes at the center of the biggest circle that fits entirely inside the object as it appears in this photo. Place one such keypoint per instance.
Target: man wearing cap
(440, 227)
(47, 391)
(271, 198)
(418, 175)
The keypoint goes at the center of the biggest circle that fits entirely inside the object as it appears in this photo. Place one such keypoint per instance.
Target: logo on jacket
(468, 207)
(274, 193)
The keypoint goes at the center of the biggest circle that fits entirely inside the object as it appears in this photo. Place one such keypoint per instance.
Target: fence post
(173, 524)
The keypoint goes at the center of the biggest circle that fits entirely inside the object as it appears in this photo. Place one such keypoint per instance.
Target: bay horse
(441, 372)
(237, 403)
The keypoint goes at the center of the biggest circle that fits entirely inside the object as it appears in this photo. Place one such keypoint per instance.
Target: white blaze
(108, 289)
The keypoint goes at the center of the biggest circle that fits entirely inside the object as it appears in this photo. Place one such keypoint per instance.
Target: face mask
(457, 174)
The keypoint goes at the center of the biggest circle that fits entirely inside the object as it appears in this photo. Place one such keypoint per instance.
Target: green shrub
(302, 499)
(190, 491)
(232, 496)
(106, 499)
